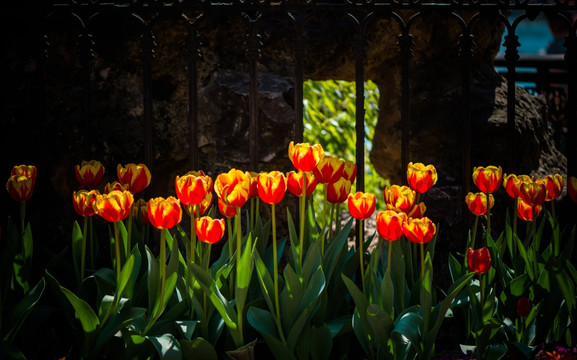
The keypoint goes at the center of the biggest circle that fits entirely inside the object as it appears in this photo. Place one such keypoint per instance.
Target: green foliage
(329, 115)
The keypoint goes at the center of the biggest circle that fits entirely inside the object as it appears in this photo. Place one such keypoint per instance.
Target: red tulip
(191, 188)
(304, 156)
(20, 187)
(523, 307)
(533, 192)
(115, 185)
(83, 202)
(361, 205)
(525, 211)
(488, 179)
(512, 184)
(295, 183)
(25, 170)
(204, 205)
(271, 186)
(89, 173)
(417, 212)
(477, 202)
(390, 224)
(400, 198)
(350, 171)
(421, 178)
(419, 231)
(225, 210)
(137, 177)
(253, 191)
(479, 260)
(209, 230)
(164, 213)
(329, 169)
(338, 191)
(114, 206)
(554, 184)
(233, 187)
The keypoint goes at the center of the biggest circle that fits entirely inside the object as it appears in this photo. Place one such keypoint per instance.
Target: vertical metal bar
(253, 54)
(571, 60)
(405, 43)
(193, 55)
(299, 54)
(86, 56)
(465, 53)
(359, 43)
(147, 56)
(511, 56)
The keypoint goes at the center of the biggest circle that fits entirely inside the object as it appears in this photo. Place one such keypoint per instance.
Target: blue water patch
(534, 36)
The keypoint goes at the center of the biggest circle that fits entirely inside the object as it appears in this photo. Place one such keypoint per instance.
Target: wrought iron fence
(361, 13)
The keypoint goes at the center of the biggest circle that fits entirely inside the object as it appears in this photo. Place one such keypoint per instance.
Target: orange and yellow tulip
(525, 211)
(533, 192)
(191, 188)
(114, 206)
(295, 183)
(304, 156)
(572, 188)
(390, 224)
(164, 213)
(253, 191)
(233, 187)
(115, 185)
(89, 173)
(400, 198)
(329, 169)
(20, 187)
(421, 178)
(225, 210)
(25, 170)
(338, 191)
(361, 205)
(479, 260)
(83, 202)
(488, 179)
(477, 202)
(554, 184)
(209, 230)
(137, 177)
(419, 231)
(271, 186)
(512, 184)
(350, 171)
(417, 212)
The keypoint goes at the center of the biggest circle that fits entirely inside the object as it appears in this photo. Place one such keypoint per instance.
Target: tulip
(115, 185)
(204, 205)
(350, 171)
(305, 157)
(361, 205)
(89, 173)
(140, 211)
(20, 187)
(191, 188)
(25, 170)
(271, 187)
(420, 231)
(137, 177)
(233, 187)
(525, 211)
(401, 198)
(554, 184)
(390, 226)
(420, 177)
(572, 188)
(488, 179)
(479, 260)
(295, 183)
(512, 184)
(533, 192)
(83, 202)
(417, 212)
(338, 192)
(523, 307)
(164, 213)
(226, 210)
(329, 169)
(209, 230)
(477, 202)
(253, 189)
(114, 206)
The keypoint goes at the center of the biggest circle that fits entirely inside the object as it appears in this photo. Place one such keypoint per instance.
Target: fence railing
(147, 12)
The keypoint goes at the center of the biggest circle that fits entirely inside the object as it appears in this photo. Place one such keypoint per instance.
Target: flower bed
(512, 296)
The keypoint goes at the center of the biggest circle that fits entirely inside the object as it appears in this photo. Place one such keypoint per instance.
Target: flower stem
(361, 260)
(117, 252)
(22, 216)
(238, 235)
(83, 253)
(162, 260)
(389, 248)
(230, 249)
(302, 201)
(275, 268)
(488, 216)
(422, 262)
(128, 237)
(92, 245)
(474, 235)
(192, 232)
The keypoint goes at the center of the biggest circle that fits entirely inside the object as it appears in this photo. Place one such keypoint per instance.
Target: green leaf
(265, 281)
(198, 348)
(18, 314)
(321, 344)
(408, 328)
(153, 279)
(77, 241)
(381, 324)
(119, 321)
(187, 327)
(166, 346)
(519, 285)
(263, 322)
